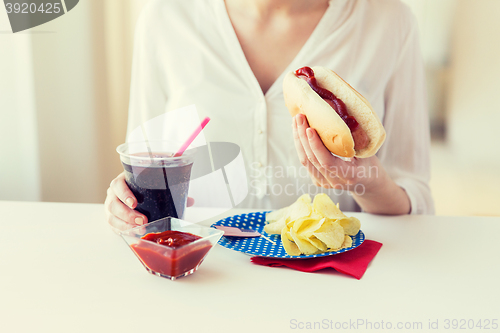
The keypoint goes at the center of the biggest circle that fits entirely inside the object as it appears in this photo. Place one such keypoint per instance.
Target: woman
(229, 58)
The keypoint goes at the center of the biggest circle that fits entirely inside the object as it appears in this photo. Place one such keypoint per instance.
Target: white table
(64, 270)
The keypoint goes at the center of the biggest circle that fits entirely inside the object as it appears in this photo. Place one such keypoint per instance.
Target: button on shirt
(186, 52)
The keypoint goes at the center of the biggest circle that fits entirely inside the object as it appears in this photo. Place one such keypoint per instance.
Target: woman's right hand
(119, 206)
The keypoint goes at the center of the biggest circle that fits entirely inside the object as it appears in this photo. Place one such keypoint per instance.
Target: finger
(190, 202)
(125, 213)
(118, 224)
(117, 208)
(122, 191)
(298, 144)
(303, 129)
(321, 153)
(335, 169)
(302, 126)
(328, 163)
(316, 176)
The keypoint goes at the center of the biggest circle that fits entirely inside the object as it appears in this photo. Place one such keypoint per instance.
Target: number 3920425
(32, 8)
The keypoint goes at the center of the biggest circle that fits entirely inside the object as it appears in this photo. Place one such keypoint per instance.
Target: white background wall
(475, 82)
(466, 169)
(461, 48)
(19, 164)
(68, 131)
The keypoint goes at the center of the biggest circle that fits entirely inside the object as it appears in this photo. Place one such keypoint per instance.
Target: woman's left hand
(366, 178)
(327, 170)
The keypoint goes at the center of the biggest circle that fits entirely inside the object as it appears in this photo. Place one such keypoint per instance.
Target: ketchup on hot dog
(307, 74)
(359, 136)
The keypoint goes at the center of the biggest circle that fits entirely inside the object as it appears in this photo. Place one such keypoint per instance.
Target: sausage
(359, 135)
(360, 138)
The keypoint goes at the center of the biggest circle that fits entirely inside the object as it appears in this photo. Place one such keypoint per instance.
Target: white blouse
(186, 52)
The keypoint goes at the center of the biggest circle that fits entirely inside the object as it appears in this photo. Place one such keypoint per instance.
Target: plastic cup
(159, 181)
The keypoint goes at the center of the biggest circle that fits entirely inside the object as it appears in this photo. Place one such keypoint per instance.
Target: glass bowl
(168, 262)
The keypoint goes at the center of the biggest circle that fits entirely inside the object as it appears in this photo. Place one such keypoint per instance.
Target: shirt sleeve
(405, 154)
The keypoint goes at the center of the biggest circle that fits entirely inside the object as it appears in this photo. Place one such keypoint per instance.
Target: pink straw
(192, 137)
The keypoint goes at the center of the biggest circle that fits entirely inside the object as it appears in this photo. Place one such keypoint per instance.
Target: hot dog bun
(333, 131)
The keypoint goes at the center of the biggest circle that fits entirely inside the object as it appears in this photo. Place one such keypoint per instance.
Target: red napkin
(352, 262)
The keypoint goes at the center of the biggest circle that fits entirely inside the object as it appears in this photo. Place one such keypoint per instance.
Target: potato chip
(330, 233)
(317, 243)
(305, 197)
(278, 219)
(351, 225)
(290, 247)
(300, 208)
(315, 215)
(276, 215)
(301, 223)
(347, 242)
(308, 229)
(324, 206)
(305, 246)
(275, 227)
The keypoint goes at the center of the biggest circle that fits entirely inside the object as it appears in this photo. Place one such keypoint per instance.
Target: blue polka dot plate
(260, 246)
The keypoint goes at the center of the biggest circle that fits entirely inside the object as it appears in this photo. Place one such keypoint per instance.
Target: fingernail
(300, 121)
(139, 221)
(309, 133)
(130, 202)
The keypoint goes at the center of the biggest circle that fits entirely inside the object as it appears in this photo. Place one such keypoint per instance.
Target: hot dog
(343, 119)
